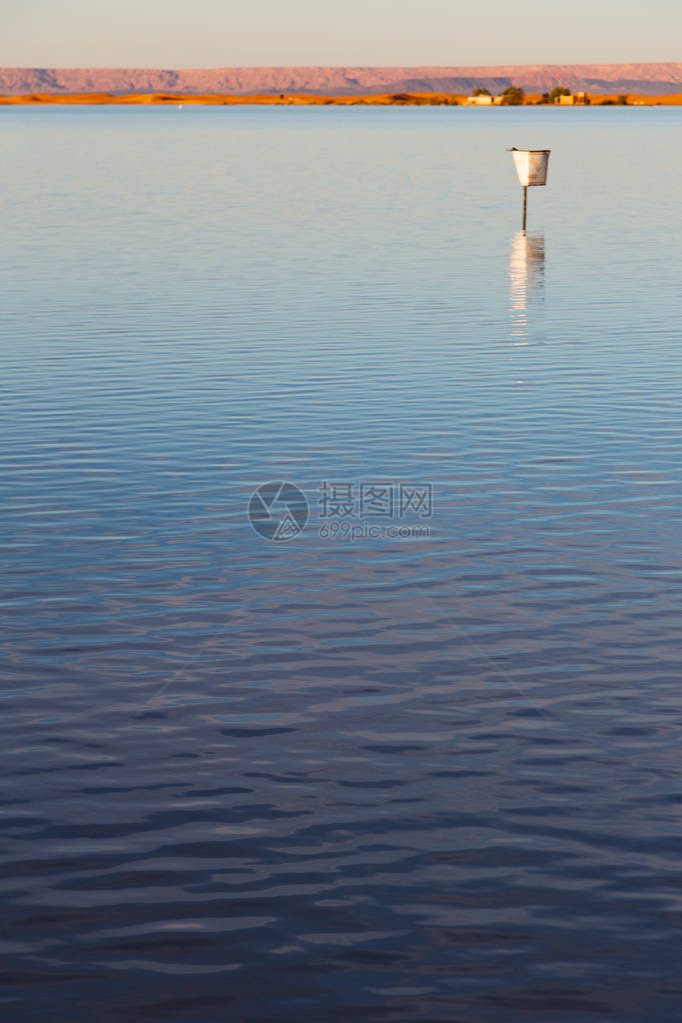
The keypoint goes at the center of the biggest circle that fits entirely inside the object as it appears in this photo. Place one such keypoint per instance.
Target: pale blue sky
(219, 33)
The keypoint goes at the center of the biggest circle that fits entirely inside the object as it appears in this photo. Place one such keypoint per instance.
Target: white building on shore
(484, 100)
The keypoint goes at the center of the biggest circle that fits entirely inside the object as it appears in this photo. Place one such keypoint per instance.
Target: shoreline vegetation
(306, 99)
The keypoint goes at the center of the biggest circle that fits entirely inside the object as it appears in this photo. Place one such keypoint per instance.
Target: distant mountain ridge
(648, 79)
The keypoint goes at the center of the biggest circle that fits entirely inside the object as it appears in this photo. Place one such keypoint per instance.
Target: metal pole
(525, 205)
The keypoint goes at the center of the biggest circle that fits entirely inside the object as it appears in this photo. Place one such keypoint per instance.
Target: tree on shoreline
(551, 97)
(513, 96)
(559, 91)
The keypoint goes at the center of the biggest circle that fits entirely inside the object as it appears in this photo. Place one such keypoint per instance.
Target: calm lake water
(347, 775)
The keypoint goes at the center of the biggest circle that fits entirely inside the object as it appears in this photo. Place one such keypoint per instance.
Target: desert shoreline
(309, 99)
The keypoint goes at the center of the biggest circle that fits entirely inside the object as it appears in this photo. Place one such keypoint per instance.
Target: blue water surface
(346, 775)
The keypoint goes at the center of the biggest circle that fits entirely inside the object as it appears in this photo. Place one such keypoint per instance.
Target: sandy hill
(645, 79)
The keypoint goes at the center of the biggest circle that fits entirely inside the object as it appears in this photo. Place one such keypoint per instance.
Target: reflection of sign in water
(526, 280)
